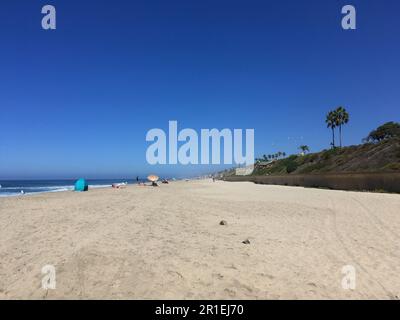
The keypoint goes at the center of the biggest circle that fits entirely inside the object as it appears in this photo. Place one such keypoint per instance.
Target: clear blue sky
(78, 101)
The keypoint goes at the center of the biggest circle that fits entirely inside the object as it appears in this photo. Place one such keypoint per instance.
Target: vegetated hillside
(383, 156)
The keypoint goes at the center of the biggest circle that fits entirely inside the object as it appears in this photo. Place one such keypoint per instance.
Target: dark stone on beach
(223, 223)
(247, 241)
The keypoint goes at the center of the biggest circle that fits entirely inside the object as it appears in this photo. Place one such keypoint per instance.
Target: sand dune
(166, 242)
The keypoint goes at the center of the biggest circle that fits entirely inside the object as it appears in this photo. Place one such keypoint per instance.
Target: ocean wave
(8, 191)
(37, 188)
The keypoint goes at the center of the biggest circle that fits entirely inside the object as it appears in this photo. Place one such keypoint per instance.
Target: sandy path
(166, 242)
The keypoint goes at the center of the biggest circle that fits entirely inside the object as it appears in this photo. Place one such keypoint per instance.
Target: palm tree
(342, 117)
(331, 121)
(304, 149)
(284, 154)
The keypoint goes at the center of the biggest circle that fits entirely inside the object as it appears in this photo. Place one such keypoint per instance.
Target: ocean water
(11, 188)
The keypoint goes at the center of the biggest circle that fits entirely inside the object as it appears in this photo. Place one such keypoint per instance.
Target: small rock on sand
(223, 223)
(247, 241)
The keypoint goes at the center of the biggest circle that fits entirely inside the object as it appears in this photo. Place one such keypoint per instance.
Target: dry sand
(166, 242)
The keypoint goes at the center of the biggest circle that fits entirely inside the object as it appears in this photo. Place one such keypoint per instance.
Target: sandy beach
(167, 243)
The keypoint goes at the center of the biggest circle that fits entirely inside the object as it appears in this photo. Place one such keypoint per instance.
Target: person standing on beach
(137, 179)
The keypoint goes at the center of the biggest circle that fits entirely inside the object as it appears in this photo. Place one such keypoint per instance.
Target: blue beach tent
(81, 185)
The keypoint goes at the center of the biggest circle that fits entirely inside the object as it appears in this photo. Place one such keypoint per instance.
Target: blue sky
(79, 100)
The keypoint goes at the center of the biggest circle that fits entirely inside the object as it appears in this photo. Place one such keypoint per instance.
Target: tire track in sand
(350, 252)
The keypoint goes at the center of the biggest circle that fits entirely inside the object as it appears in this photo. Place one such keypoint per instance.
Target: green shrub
(291, 167)
(313, 167)
(326, 155)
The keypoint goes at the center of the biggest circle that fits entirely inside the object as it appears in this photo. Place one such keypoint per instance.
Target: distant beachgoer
(137, 179)
(213, 179)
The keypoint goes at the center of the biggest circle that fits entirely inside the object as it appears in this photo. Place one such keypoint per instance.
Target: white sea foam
(94, 186)
(15, 191)
(40, 188)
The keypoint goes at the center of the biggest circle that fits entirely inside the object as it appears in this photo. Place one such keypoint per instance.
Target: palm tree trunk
(340, 133)
(333, 138)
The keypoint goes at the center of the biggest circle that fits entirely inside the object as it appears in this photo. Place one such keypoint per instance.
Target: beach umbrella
(152, 178)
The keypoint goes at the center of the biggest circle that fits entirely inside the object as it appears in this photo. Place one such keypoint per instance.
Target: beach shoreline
(167, 243)
(13, 188)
